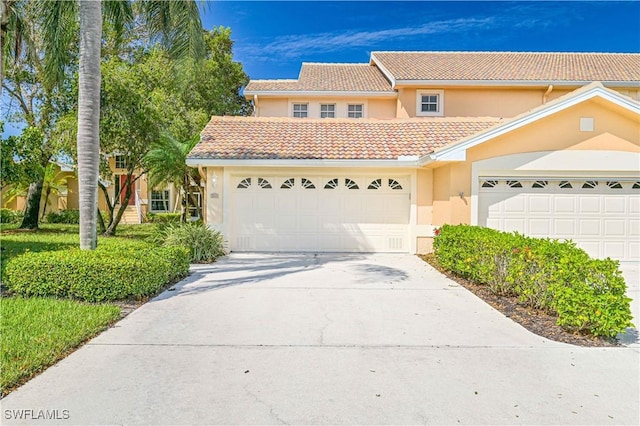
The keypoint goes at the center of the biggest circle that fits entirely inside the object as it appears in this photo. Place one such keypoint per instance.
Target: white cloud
(295, 46)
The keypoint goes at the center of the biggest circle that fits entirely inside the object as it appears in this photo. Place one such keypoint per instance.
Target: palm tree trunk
(31, 214)
(90, 15)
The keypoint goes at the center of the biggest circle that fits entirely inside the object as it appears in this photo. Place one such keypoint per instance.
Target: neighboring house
(375, 157)
(163, 199)
(57, 200)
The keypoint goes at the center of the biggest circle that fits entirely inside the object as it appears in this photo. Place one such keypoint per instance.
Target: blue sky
(272, 39)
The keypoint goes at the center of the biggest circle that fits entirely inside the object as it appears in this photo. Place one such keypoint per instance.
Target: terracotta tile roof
(526, 66)
(328, 77)
(347, 139)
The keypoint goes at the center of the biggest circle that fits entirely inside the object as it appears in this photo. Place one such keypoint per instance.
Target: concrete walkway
(328, 339)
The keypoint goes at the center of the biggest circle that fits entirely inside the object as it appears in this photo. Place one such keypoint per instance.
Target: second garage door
(601, 215)
(320, 213)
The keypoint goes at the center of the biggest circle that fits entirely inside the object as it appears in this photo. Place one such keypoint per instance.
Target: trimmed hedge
(64, 216)
(587, 295)
(116, 270)
(10, 216)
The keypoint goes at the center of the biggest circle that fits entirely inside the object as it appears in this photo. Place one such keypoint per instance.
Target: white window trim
(168, 200)
(356, 103)
(333, 111)
(120, 157)
(439, 94)
(293, 105)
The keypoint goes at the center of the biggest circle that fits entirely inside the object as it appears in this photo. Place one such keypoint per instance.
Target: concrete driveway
(328, 339)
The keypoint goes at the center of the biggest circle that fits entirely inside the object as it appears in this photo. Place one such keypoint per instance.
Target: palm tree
(178, 26)
(90, 15)
(167, 163)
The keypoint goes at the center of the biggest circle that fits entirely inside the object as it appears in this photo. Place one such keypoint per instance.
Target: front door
(121, 181)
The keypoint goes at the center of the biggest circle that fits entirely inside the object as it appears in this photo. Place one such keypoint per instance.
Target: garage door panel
(540, 204)
(515, 204)
(589, 227)
(565, 228)
(614, 249)
(589, 246)
(614, 227)
(614, 204)
(589, 204)
(603, 219)
(540, 227)
(513, 225)
(564, 204)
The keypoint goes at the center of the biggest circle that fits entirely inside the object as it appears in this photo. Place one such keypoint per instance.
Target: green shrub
(204, 244)
(114, 271)
(10, 216)
(163, 217)
(587, 295)
(64, 216)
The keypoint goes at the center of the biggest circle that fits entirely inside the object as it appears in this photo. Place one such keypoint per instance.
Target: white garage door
(601, 216)
(320, 213)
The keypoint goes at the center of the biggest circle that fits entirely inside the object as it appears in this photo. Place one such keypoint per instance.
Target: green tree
(167, 163)
(176, 23)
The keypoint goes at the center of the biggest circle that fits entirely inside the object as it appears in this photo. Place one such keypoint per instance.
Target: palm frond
(120, 14)
(178, 24)
(58, 20)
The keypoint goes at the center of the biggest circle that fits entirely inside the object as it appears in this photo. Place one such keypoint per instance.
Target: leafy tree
(32, 102)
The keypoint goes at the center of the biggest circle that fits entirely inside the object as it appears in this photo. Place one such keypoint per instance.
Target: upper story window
(430, 103)
(327, 110)
(300, 110)
(121, 162)
(355, 111)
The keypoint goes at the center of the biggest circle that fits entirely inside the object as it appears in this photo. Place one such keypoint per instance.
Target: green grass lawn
(14, 242)
(37, 332)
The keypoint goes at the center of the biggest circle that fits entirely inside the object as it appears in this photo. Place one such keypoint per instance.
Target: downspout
(255, 105)
(546, 94)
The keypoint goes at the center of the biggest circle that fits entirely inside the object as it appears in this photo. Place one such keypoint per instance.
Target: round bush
(114, 271)
(204, 244)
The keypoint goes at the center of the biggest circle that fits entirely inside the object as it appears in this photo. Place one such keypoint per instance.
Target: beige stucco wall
(424, 201)
(213, 195)
(613, 130)
(283, 107)
(272, 107)
(478, 102)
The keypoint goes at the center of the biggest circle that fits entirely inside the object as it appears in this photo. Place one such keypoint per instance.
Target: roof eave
(519, 83)
(384, 70)
(410, 162)
(303, 93)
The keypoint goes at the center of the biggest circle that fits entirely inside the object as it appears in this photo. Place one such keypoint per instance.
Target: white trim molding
(439, 101)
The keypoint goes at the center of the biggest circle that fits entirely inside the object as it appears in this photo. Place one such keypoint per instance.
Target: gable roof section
(327, 78)
(256, 138)
(508, 67)
(457, 151)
